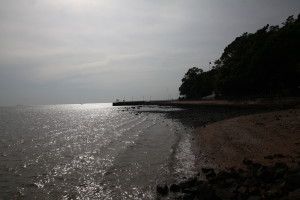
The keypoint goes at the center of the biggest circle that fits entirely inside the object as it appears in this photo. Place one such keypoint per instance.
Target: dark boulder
(210, 174)
(206, 192)
(272, 193)
(186, 197)
(279, 173)
(174, 188)
(256, 166)
(294, 180)
(269, 157)
(188, 183)
(247, 161)
(162, 189)
(266, 176)
(206, 170)
(191, 190)
(224, 194)
(243, 190)
(280, 165)
(295, 195)
(279, 155)
(253, 197)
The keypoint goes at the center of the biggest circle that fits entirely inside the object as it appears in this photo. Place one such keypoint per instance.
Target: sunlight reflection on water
(93, 151)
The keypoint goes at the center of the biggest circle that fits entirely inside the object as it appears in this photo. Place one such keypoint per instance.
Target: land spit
(254, 103)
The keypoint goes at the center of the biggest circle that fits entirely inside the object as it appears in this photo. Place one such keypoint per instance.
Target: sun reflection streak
(92, 151)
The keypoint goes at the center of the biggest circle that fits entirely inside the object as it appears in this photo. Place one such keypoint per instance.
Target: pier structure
(138, 103)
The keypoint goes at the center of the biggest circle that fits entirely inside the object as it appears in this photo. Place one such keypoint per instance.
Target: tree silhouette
(264, 63)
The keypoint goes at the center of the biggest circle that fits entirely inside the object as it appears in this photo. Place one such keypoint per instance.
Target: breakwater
(137, 103)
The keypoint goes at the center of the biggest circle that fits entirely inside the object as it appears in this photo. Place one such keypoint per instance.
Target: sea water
(90, 151)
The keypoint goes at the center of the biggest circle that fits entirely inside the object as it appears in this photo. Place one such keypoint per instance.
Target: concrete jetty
(137, 103)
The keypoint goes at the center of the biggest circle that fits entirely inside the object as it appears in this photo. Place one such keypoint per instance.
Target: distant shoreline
(261, 102)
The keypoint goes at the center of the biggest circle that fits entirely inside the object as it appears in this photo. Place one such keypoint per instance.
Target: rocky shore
(270, 141)
(255, 182)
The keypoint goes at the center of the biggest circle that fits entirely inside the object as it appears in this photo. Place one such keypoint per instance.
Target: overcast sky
(80, 51)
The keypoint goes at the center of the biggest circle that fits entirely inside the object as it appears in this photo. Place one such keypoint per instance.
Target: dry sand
(226, 143)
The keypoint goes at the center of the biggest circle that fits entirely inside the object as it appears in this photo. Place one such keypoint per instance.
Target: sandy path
(226, 143)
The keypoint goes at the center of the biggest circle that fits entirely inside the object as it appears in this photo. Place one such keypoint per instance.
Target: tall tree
(266, 62)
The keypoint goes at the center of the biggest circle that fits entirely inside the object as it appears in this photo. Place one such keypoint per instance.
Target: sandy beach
(241, 152)
(265, 138)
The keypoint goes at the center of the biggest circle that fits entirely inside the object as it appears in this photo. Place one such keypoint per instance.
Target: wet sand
(258, 137)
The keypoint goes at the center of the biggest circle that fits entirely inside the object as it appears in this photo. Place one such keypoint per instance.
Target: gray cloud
(75, 51)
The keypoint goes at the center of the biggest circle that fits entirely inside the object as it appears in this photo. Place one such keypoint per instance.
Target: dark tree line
(264, 63)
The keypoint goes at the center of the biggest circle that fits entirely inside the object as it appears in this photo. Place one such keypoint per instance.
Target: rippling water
(90, 151)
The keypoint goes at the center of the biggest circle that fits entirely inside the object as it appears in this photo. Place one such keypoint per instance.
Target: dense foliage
(264, 63)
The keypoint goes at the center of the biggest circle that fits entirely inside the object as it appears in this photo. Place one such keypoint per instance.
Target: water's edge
(91, 151)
